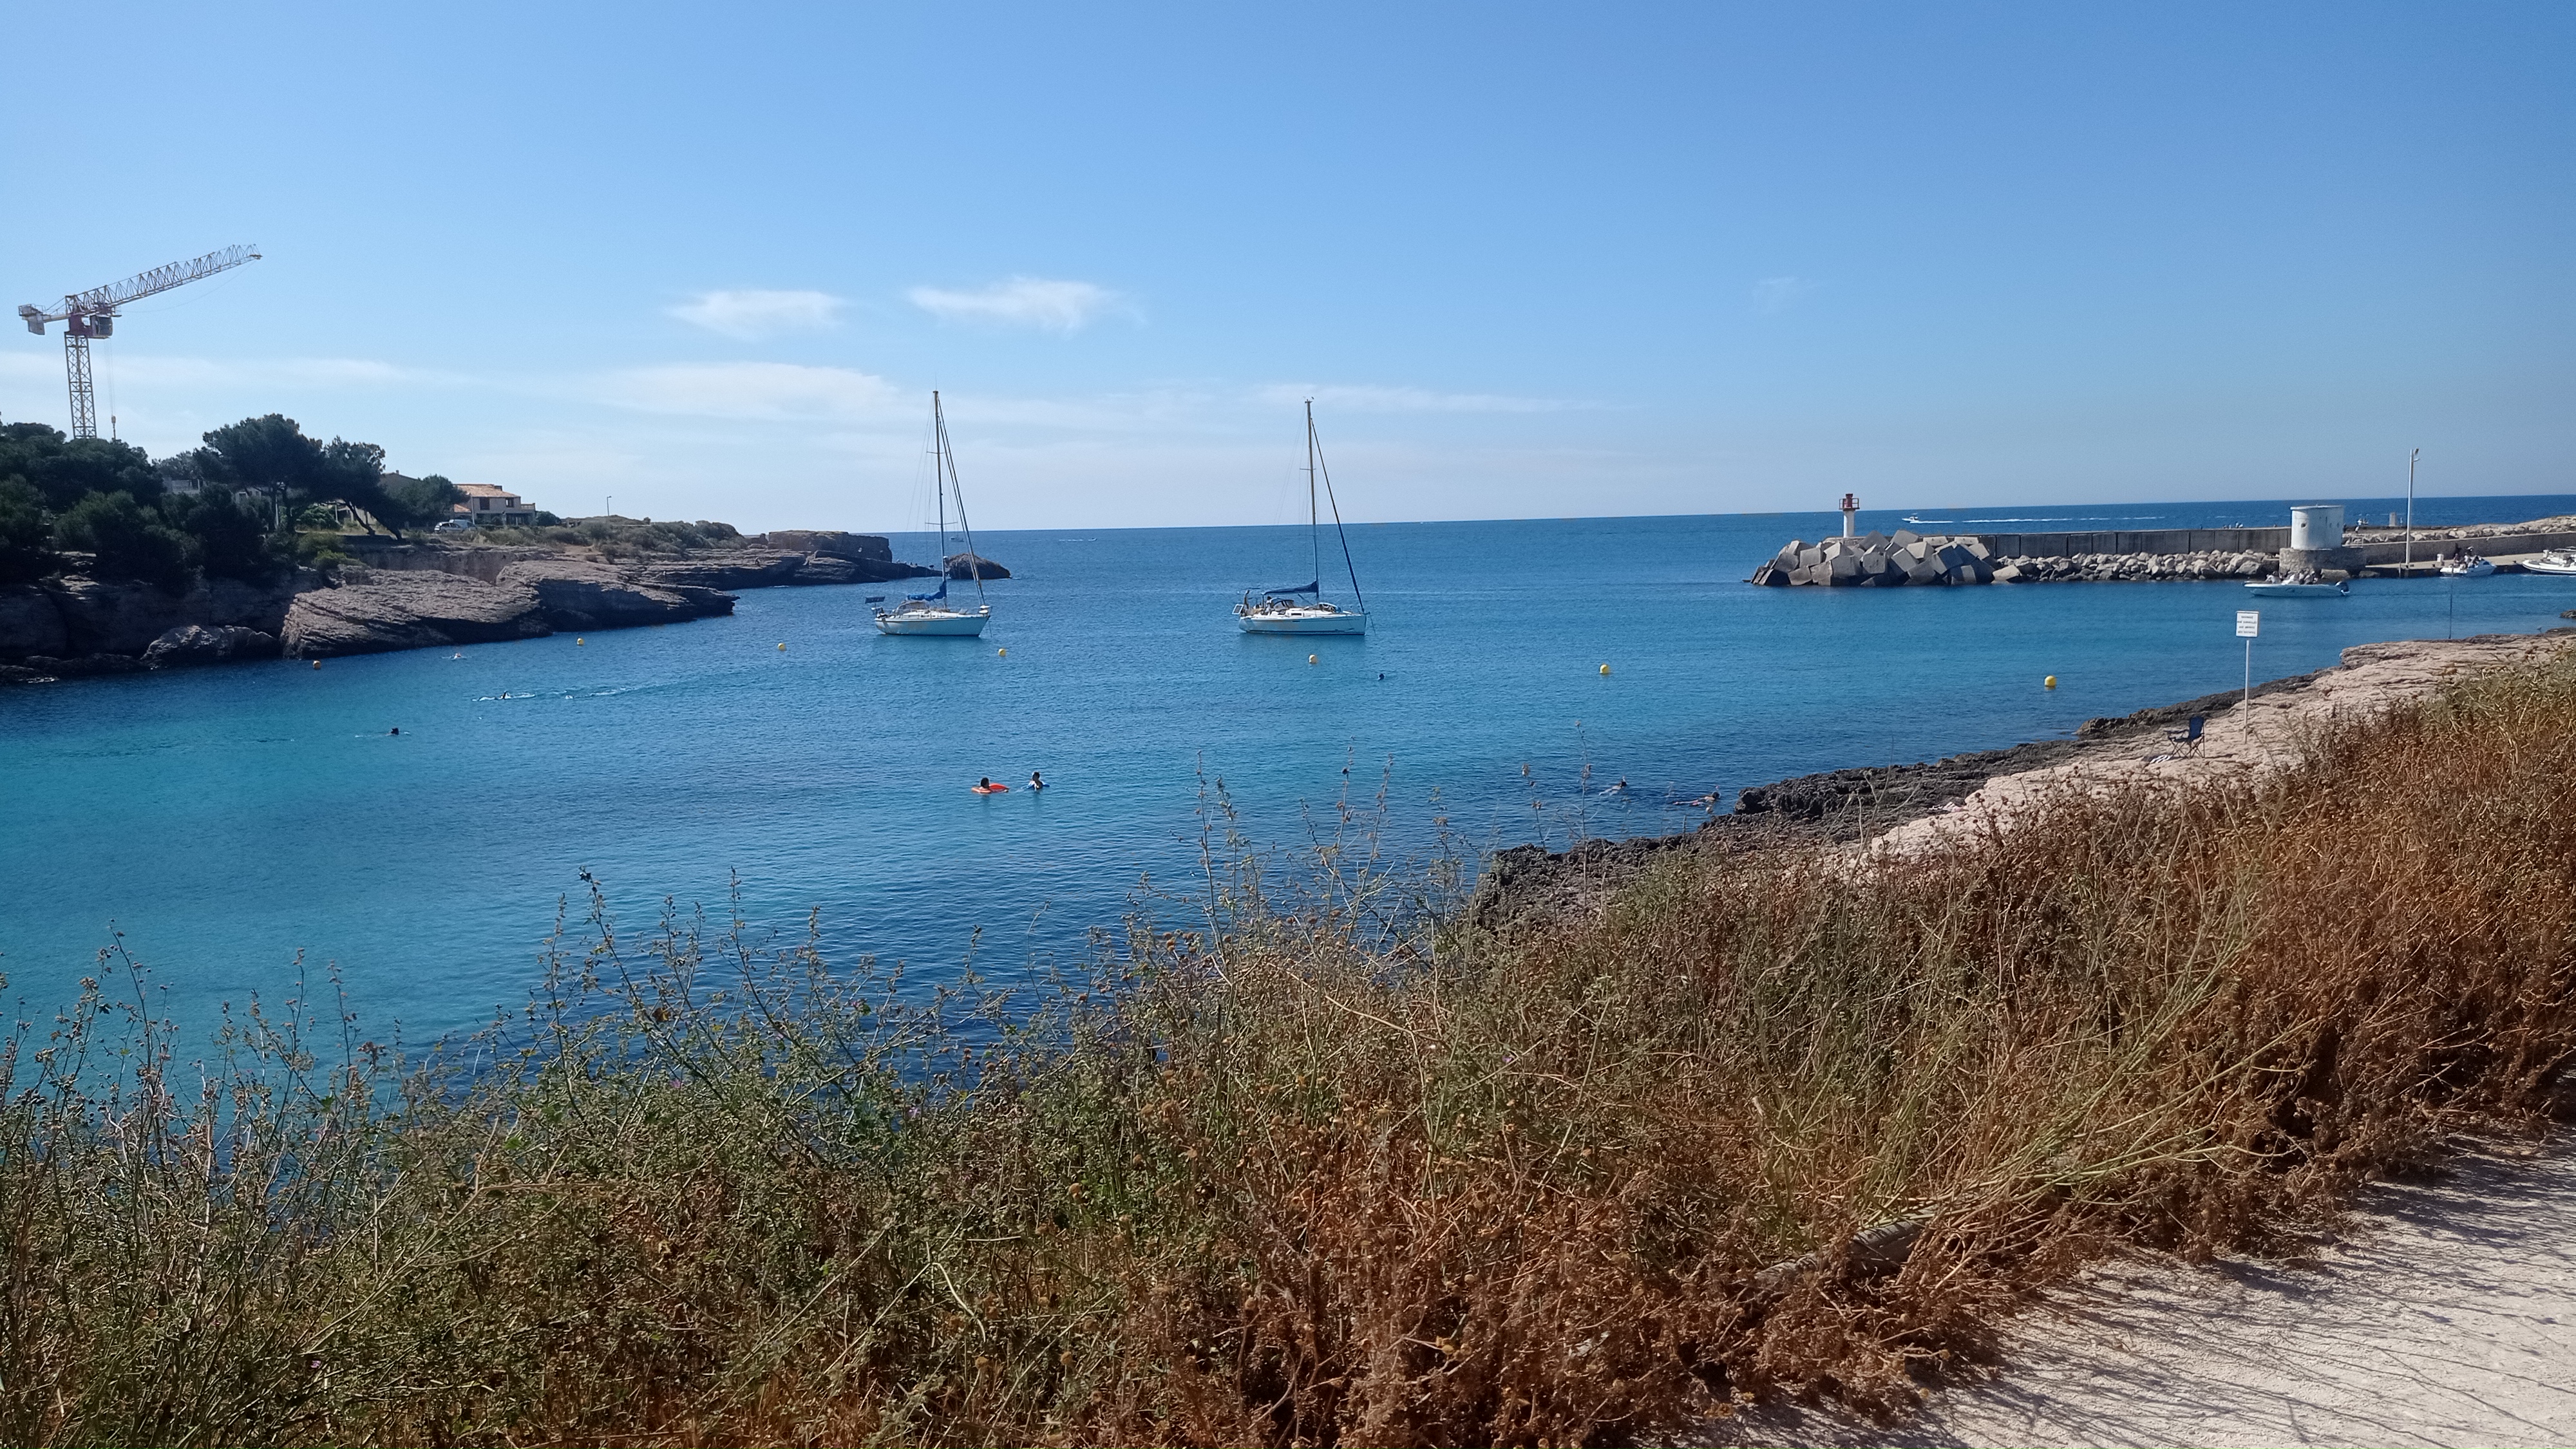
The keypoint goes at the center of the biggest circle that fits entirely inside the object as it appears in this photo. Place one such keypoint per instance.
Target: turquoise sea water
(224, 820)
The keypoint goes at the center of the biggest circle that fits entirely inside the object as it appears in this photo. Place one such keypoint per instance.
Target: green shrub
(129, 542)
(26, 532)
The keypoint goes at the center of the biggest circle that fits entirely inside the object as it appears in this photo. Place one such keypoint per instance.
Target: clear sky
(1529, 261)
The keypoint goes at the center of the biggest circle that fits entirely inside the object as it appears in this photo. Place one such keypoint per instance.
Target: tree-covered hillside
(225, 510)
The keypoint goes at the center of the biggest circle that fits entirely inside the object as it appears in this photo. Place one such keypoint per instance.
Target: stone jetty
(1891, 560)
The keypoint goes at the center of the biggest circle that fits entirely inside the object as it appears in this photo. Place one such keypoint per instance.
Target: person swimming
(985, 786)
(1034, 782)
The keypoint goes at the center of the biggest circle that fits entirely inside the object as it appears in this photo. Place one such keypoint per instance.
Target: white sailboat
(931, 613)
(1289, 610)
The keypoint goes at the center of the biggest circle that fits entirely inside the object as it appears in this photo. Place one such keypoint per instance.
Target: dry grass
(1324, 1170)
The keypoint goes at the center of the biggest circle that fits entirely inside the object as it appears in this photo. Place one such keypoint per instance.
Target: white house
(489, 507)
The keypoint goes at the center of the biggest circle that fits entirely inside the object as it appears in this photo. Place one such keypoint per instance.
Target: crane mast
(93, 314)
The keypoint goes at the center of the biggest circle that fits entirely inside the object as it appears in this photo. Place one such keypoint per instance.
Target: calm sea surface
(225, 820)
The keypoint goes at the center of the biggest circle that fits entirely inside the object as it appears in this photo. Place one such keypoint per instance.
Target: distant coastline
(422, 593)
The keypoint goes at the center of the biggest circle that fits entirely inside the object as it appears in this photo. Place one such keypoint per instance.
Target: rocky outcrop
(30, 623)
(574, 594)
(404, 594)
(1883, 560)
(75, 617)
(747, 569)
(194, 644)
(532, 597)
(859, 548)
(968, 565)
(410, 611)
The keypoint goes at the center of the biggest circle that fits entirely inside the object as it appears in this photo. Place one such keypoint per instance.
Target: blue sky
(1530, 261)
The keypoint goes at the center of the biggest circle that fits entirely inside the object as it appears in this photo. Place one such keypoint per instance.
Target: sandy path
(2445, 1313)
(2238, 741)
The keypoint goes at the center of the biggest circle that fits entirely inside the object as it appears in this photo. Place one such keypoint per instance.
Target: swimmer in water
(397, 729)
(1034, 782)
(1621, 788)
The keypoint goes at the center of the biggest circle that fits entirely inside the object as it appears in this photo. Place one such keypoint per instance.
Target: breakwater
(1890, 560)
(1887, 560)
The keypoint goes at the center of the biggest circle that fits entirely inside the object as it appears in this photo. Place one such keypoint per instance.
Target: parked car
(455, 525)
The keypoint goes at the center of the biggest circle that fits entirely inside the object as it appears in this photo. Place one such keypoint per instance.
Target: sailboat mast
(1314, 522)
(1315, 450)
(939, 478)
(948, 460)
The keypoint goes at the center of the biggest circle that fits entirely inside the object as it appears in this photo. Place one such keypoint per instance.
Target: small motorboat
(2309, 585)
(2555, 561)
(2465, 564)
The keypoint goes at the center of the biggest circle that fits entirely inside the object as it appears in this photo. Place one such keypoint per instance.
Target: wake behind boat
(1289, 611)
(931, 613)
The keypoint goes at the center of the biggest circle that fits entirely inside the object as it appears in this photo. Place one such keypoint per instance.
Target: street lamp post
(2408, 570)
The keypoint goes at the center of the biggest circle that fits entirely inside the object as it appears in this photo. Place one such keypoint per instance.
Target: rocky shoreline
(1530, 883)
(405, 595)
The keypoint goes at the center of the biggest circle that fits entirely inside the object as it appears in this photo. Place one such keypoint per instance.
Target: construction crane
(93, 314)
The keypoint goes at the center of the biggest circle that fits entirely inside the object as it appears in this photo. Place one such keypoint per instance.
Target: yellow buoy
(782, 648)
(2049, 683)
(581, 641)
(1605, 668)
(1310, 658)
(1002, 653)
(317, 663)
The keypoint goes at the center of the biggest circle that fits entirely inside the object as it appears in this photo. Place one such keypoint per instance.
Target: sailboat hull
(1303, 621)
(934, 623)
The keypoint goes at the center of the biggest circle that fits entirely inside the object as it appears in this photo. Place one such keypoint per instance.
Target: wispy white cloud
(1022, 302)
(752, 390)
(753, 314)
(1409, 400)
(1774, 295)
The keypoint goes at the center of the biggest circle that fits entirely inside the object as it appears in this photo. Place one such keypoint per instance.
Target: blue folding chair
(2189, 735)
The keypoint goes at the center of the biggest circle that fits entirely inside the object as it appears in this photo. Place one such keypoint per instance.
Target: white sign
(2249, 623)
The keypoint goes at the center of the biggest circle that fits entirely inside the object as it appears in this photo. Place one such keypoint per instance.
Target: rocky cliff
(74, 624)
(404, 595)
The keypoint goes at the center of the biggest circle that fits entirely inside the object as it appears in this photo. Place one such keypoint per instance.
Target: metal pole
(2408, 571)
(2248, 709)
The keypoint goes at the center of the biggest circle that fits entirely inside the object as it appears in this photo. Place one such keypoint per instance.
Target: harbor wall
(2135, 541)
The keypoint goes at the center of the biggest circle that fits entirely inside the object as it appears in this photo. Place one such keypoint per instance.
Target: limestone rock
(823, 568)
(577, 594)
(957, 566)
(30, 624)
(192, 644)
(746, 569)
(410, 611)
(103, 616)
(82, 664)
(856, 547)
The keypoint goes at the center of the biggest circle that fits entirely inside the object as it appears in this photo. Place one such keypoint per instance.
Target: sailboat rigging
(1287, 611)
(931, 613)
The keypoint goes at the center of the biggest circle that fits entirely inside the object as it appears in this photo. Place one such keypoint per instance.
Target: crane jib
(91, 313)
(140, 286)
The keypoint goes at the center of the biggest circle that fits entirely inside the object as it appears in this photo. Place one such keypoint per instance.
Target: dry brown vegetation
(1325, 1170)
